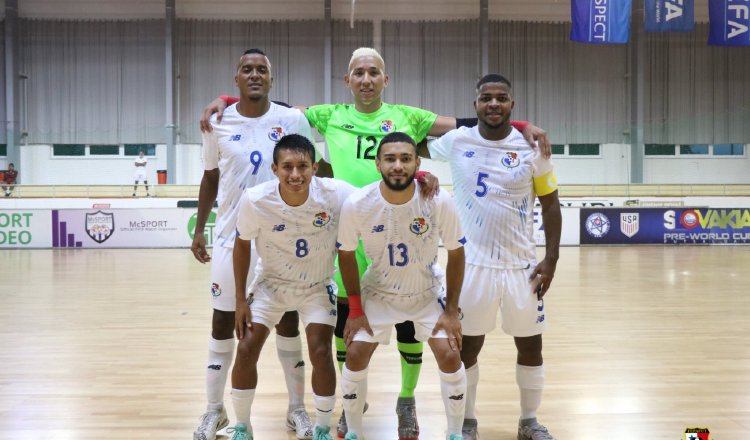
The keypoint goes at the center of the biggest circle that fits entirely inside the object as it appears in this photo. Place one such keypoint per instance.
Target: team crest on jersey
(276, 133)
(419, 226)
(387, 126)
(321, 219)
(510, 160)
(215, 289)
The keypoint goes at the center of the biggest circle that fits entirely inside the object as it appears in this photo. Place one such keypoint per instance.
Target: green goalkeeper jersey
(352, 137)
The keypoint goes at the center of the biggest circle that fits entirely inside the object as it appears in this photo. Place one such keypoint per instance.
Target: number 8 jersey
(495, 184)
(242, 149)
(401, 240)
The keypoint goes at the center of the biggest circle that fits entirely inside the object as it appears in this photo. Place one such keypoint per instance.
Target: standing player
(496, 177)
(352, 134)
(293, 222)
(400, 231)
(140, 172)
(236, 155)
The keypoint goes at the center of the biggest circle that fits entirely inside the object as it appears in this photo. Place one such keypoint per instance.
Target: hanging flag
(669, 15)
(600, 21)
(730, 22)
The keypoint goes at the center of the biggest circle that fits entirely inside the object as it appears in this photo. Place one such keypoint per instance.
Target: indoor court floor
(642, 343)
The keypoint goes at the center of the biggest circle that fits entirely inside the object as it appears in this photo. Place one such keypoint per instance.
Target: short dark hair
(396, 136)
(493, 78)
(296, 143)
(12, 165)
(254, 50)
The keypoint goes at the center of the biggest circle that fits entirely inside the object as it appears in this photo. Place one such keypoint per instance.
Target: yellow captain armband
(546, 184)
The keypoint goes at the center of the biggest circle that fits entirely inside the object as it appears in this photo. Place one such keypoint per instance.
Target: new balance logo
(300, 364)
(350, 396)
(277, 228)
(469, 154)
(459, 397)
(378, 228)
(214, 367)
(540, 319)
(347, 126)
(235, 137)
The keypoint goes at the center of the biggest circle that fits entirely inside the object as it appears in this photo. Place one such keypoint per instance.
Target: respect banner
(600, 21)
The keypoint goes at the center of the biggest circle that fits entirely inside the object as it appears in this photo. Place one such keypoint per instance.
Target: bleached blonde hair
(365, 52)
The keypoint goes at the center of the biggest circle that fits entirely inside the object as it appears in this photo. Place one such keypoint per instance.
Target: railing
(191, 191)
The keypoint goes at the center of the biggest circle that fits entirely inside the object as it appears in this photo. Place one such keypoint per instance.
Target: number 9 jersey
(242, 149)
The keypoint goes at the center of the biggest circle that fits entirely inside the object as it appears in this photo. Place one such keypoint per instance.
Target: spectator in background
(140, 172)
(10, 179)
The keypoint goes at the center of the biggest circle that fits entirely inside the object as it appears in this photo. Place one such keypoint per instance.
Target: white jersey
(242, 149)
(401, 240)
(495, 184)
(296, 244)
(140, 161)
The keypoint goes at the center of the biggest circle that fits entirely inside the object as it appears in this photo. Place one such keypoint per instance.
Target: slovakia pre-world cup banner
(730, 22)
(600, 21)
(669, 15)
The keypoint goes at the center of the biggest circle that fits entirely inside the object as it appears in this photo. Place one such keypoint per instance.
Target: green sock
(340, 352)
(411, 365)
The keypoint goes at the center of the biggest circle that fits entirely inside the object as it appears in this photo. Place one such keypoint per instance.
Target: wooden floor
(643, 342)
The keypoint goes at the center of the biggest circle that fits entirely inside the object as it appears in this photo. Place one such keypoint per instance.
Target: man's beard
(395, 186)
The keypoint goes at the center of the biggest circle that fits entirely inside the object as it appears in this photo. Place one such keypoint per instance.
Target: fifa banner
(730, 22)
(600, 21)
(25, 228)
(665, 226)
(670, 15)
(570, 231)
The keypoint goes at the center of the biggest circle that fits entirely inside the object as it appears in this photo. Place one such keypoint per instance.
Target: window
(660, 150)
(3, 150)
(583, 149)
(729, 149)
(558, 149)
(104, 150)
(694, 149)
(68, 150)
(134, 149)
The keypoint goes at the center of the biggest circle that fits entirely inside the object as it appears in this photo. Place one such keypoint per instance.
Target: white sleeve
(210, 151)
(448, 223)
(348, 238)
(247, 219)
(343, 190)
(440, 148)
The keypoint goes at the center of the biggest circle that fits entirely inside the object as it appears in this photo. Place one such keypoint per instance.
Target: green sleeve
(422, 121)
(318, 116)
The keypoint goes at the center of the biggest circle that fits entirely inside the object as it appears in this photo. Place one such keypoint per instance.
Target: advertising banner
(27, 228)
(600, 21)
(669, 15)
(570, 230)
(729, 22)
(665, 226)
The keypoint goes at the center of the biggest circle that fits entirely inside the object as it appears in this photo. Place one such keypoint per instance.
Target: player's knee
(288, 327)
(405, 333)
(448, 361)
(470, 348)
(529, 350)
(248, 351)
(222, 325)
(357, 356)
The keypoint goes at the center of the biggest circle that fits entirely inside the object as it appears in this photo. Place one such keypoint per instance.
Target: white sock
(530, 382)
(323, 409)
(220, 353)
(472, 379)
(354, 391)
(290, 356)
(453, 389)
(243, 402)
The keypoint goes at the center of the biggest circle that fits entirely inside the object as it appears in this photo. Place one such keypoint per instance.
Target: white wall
(684, 169)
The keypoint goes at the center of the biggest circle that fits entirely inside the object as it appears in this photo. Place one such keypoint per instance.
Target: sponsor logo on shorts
(510, 160)
(387, 126)
(419, 226)
(276, 133)
(697, 434)
(597, 225)
(215, 290)
(321, 219)
(540, 319)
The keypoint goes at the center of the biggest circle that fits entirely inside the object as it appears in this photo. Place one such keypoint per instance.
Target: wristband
(420, 176)
(520, 125)
(355, 307)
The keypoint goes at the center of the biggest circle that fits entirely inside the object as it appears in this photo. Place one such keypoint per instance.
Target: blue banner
(665, 226)
(600, 21)
(730, 22)
(669, 15)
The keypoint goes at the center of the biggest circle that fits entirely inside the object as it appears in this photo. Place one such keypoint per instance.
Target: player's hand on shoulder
(429, 185)
(216, 106)
(537, 138)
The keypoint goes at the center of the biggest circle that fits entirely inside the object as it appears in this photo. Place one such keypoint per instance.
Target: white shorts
(139, 174)
(383, 314)
(316, 306)
(486, 289)
(222, 277)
